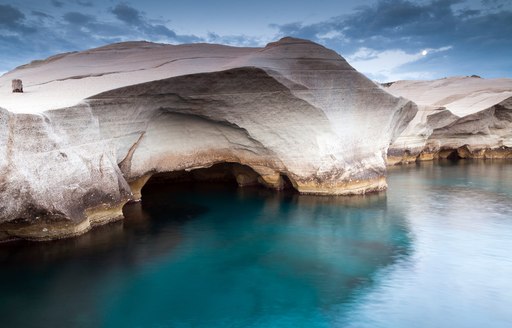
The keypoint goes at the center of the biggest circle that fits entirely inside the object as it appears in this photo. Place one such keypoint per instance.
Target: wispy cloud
(238, 40)
(384, 65)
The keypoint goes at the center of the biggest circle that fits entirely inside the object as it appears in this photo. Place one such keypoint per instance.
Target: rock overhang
(292, 109)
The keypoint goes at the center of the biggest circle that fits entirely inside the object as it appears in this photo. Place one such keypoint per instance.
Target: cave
(454, 156)
(225, 175)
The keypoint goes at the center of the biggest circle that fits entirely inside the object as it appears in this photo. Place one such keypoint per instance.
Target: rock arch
(293, 110)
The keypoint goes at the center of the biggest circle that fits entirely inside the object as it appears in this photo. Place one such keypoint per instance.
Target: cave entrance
(186, 194)
(227, 175)
(454, 156)
(222, 175)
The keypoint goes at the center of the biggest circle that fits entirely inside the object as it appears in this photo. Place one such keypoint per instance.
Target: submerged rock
(98, 124)
(458, 117)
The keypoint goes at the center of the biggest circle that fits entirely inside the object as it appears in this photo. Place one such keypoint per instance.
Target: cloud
(386, 23)
(10, 17)
(405, 27)
(35, 34)
(238, 40)
(84, 3)
(128, 14)
(383, 39)
(40, 14)
(495, 4)
(13, 20)
(58, 4)
(137, 20)
(384, 65)
(77, 18)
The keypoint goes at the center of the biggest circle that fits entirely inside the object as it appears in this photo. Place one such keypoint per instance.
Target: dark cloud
(495, 4)
(74, 30)
(40, 14)
(77, 18)
(12, 19)
(84, 3)
(395, 18)
(128, 14)
(139, 22)
(58, 4)
(161, 30)
(389, 23)
(466, 13)
(411, 26)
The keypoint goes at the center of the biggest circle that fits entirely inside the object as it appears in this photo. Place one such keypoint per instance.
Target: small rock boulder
(17, 85)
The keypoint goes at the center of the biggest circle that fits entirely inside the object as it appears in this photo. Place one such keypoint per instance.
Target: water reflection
(434, 251)
(458, 274)
(233, 255)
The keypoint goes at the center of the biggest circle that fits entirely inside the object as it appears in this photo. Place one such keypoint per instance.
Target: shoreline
(51, 231)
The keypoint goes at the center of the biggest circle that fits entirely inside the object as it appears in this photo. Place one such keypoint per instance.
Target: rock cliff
(459, 117)
(92, 127)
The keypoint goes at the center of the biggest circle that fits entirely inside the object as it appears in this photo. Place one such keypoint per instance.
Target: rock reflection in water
(206, 255)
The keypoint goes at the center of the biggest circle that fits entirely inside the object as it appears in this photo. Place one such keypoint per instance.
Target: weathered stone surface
(464, 117)
(293, 110)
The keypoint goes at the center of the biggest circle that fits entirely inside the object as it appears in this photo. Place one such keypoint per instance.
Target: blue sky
(385, 39)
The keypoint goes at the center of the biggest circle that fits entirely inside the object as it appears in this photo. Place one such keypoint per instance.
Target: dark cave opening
(182, 195)
(220, 176)
(454, 156)
(226, 175)
(286, 183)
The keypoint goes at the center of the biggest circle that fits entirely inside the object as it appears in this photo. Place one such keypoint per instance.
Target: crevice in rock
(126, 164)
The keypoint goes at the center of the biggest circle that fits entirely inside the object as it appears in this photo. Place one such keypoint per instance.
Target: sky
(387, 40)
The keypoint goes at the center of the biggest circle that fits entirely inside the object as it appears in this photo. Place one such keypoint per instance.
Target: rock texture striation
(92, 127)
(460, 117)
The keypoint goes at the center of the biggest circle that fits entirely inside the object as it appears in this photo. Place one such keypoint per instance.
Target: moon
(424, 52)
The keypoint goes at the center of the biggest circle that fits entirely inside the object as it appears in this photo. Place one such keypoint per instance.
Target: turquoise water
(435, 250)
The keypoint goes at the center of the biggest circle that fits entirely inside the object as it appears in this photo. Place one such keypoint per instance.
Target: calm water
(434, 251)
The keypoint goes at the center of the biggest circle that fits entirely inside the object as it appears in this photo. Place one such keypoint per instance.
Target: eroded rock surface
(92, 127)
(463, 117)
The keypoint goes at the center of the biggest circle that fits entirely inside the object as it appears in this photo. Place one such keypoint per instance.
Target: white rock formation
(93, 126)
(467, 117)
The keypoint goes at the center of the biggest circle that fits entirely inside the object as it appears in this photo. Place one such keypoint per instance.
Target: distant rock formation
(459, 117)
(293, 111)
(17, 85)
